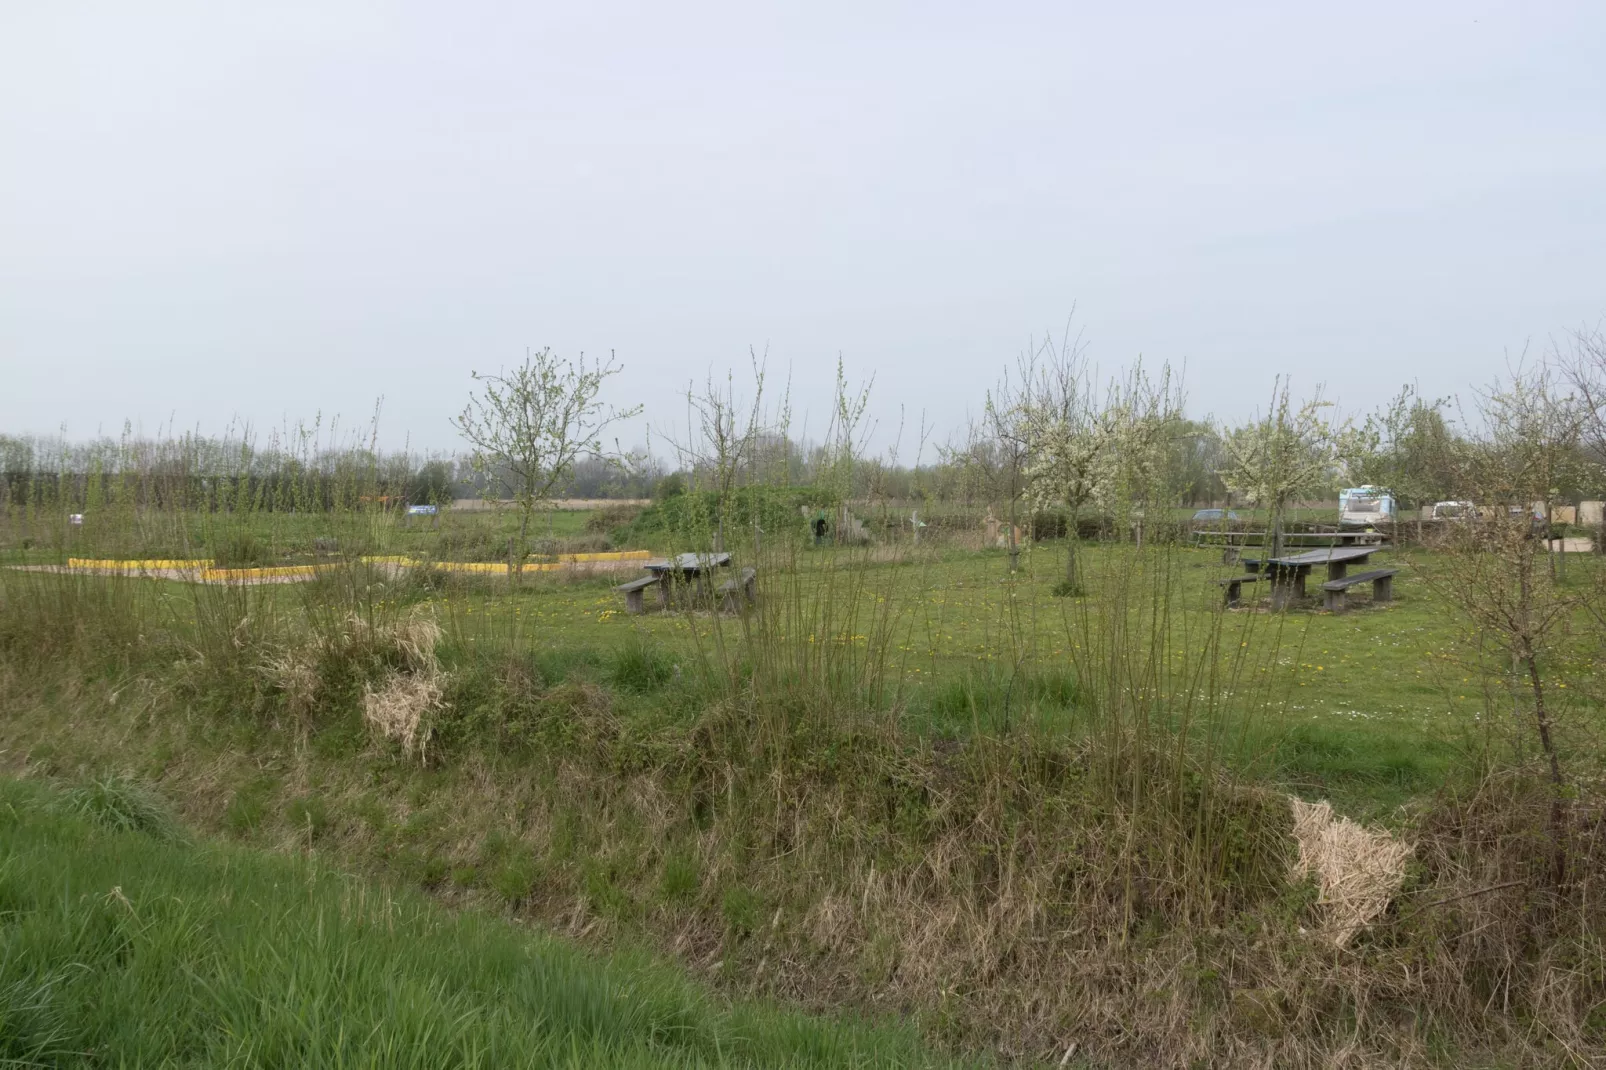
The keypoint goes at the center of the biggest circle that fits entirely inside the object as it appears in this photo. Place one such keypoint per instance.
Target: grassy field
(124, 944)
(910, 782)
(1372, 707)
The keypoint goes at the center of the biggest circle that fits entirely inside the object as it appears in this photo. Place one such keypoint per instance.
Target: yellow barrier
(210, 574)
(214, 575)
(616, 555)
(135, 566)
(563, 562)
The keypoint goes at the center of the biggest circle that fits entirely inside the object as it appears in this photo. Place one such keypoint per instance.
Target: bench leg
(663, 594)
(1233, 592)
(750, 589)
(1334, 601)
(634, 603)
(1229, 555)
(1282, 592)
(1337, 570)
(1383, 589)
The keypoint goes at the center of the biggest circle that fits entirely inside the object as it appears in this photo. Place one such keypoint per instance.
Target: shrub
(641, 665)
(242, 549)
(611, 517)
(122, 806)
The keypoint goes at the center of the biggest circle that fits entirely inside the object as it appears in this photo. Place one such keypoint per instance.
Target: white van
(1365, 505)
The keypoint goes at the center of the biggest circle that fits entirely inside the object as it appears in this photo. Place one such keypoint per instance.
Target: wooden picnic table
(688, 565)
(1233, 543)
(1289, 571)
(1229, 536)
(685, 571)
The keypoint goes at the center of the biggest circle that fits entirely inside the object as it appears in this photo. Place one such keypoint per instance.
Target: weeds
(122, 806)
(137, 950)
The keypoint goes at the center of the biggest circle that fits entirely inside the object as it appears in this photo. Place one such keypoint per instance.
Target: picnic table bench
(746, 583)
(691, 572)
(1233, 543)
(1288, 572)
(1381, 579)
(635, 593)
(1235, 586)
(1287, 575)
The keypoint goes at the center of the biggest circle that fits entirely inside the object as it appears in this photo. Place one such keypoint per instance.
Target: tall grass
(123, 948)
(1071, 840)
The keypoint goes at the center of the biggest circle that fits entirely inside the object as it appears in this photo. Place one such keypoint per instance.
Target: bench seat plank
(1359, 577)
(1381, 579)
(1234, 586)
(635, 599)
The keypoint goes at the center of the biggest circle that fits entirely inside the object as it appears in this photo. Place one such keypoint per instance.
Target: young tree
(724, 437)
(528, 427)
(1142, 421)
(1063, 433)
(1585, 369)
(1497, 573)
(1534, 447)
(1409, 447)
(1286, 454)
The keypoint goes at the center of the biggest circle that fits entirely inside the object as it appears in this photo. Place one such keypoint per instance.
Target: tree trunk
(516, 558)
(1558, 829)
(1556, 558)
(1072, 537)
(1014, 548)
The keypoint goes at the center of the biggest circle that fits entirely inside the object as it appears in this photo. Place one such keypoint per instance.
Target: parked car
(1454, 511)
(1215, 516)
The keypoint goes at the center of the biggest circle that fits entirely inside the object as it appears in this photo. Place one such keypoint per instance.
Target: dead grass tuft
(1357, 870)
(294, 673)
(399, 709)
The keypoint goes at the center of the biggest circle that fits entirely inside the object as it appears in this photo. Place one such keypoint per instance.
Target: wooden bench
(747, 583)
(1235, 586)
(634, 592)
(1381, 579)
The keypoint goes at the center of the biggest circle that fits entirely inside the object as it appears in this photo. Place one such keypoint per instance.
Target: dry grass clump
(1357, 870)
(399, 709)
(395, 661)
(294, 673)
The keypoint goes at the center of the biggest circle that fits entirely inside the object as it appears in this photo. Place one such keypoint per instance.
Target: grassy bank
(124, 944)
(908, 781)
(1014, 888)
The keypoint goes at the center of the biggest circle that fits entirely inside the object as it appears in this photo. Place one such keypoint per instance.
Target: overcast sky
(264, 211)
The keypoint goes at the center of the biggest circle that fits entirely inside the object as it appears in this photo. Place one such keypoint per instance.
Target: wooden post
(1383, 589)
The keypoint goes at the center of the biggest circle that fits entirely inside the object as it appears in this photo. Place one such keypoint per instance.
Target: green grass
(1372, 708)
(1021, 774)
(122, 946)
